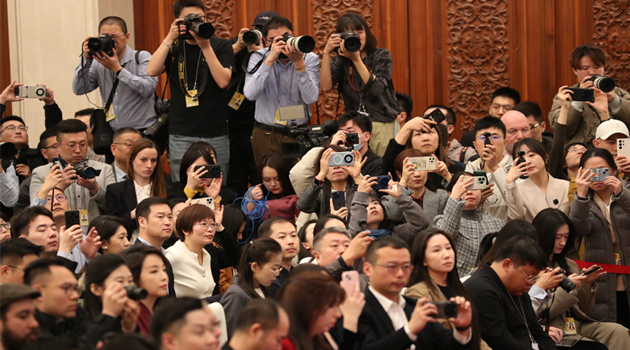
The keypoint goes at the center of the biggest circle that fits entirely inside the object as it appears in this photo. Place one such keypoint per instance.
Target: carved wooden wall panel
(612, 32)
(477, 55)
(219, 13)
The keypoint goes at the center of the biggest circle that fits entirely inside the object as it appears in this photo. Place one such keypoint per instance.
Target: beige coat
(525, 200)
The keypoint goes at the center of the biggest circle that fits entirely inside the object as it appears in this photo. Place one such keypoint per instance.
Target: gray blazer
(434, 204)
(234, 301)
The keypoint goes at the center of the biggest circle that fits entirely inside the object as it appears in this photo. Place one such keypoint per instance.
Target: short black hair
(275, 23)
(387, 241)
(144, 207)
(130, 341)
(596, 152)
(405, 102)
(451, 118)
(592, 51)
(264, 230)
(532, 145)
(178, 6)
(41, 267)
(362, 121)
(262, 311)
(507, 92)
(113, 20)
(488, 122)
(84, 111)
(20, 223)
(522, 251)
(171, 315)
(43, 138)
(12, 118)
(354, 21)
(125, 130)
(70, 126)
(530, 108)
(13, 250)
(134, 258)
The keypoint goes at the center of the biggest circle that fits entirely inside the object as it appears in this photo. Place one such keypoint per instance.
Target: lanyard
(522, 315)
(181, 67)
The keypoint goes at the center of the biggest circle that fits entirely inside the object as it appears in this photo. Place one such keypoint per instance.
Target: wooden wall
(454, 52)
(5, 66)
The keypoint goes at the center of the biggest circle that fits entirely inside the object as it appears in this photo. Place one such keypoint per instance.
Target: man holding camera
(83, 181)
(199, 67)
(121, 74)
(588, 63)
(282, 81)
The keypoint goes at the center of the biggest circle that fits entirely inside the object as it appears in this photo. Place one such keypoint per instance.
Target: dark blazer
(379, 331)
(501, 325)
(169, 272)
(228, 255)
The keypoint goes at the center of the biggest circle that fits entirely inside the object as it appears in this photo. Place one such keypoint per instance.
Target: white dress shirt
(191, 279)
(142, 192)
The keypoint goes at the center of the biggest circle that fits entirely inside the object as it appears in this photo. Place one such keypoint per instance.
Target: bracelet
(167, 44)
(581, 198)
(462, 329)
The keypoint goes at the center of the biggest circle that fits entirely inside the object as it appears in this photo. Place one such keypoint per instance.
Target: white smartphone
(349, 281)
(623, 147)
(423, 163)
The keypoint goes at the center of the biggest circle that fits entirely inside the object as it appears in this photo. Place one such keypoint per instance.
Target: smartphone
(623, 147)
(73, 217)
(521, 160)
(446, 309)
(423, 163)
(349, 281)
(600, 174)
(208, 202)
(37, 91)
(591, 271)
(213, 171)
(339, 199)
(382, 182)
(437, 116)
(582, 94)
(481, 181)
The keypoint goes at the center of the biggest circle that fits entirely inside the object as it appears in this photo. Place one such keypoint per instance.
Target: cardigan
(191, 279)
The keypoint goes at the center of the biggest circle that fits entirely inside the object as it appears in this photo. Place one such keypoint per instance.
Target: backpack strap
(462, 154)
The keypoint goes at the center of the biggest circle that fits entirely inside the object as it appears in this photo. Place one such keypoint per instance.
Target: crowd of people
(383, 231)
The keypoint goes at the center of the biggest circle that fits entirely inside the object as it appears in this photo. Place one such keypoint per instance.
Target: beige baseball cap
(611, 127)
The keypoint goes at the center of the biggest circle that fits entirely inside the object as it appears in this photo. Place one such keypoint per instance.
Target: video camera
(307, 138)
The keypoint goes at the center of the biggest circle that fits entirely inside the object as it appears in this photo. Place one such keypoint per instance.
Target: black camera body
(8, 151)
(136, 293)
(198, 26)
(252, 37)
(566, 283)
(521, 160)
(103, 42)
(86, 171)
(158, 131)
(488, 137)
(603, 83)
(213, 171)
(307, 138)
(351, 41)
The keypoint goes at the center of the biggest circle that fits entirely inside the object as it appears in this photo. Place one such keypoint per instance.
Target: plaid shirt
(467, 229)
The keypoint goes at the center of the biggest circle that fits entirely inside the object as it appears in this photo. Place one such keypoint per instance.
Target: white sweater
(191, 280)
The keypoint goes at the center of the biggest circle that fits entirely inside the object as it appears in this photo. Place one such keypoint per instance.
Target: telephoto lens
(303, 44)
(197, 25)
(566, 283)
(86, 172)
(603, 83)
(135, 293)
(252, 37)
(103, 43)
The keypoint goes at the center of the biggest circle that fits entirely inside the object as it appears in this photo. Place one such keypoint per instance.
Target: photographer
(132, 104)
(588, 61)
(84, 193)
(372, 91)
(285, 78)
(198, 111)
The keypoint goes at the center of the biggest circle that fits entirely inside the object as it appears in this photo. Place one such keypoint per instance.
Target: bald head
(517, 127)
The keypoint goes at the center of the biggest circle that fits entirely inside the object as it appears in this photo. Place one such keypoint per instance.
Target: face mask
(358, 146)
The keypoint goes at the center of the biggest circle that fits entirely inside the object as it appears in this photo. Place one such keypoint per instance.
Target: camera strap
(181, 68)
(257, 66)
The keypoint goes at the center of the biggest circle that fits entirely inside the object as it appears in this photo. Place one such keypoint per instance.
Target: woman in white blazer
(527, 197)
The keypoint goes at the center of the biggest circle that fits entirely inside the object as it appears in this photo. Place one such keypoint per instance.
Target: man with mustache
(17, 311)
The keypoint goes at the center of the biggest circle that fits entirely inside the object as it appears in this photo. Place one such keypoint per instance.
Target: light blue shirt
(151, 245)
(281, 86)
(9, 187)
(120, 175)
(133, 101)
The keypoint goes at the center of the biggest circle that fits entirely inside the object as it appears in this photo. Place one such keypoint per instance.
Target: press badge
(617, 259)
(192, 101)
(277, 120)
(534, 346)
(236, 100)
(569, 326)
(110, 114)
(83, 218)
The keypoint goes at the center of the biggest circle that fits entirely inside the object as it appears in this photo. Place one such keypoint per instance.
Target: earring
(104, 248)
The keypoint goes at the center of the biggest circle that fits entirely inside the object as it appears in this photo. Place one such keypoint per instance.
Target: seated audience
(499, 292)
(113, 234)
(281, 199)
(354, 122)
(259, 266)
(391, 320)
(282, 231)
(15, 255)
(537, 126)
(124, 138)
(435, 277)
(600, 212)
(130, 341)
(145, 179)
(177, 205)
(85, 115)
(329, 244)
(185, 324)
(195, 260)
(606, 137)
(568, 309)
(261, 325)
(5, 228)
(517, 129)
(495, 241)
(37, 226)
(306, 235)
(105, 297)
(406, 105)
(526, 198)
(148, 268)
(464, 223)
(454, 150)
(19, 328)
(194, 185)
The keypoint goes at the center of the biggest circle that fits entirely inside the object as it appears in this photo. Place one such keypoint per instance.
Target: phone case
(339, 199)
(72, 218)
(349, 279)
(623, 147)
(423, 163)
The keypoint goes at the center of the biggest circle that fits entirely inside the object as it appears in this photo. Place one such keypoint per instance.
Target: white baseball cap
(611, 127)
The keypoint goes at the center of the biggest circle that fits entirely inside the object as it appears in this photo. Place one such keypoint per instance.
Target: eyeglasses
(528, 278)
(393, 268)
(69, 288)
(577, 150)
(54, 145)
(494, 138)
(13, 127)
(532, 127)
(276, 271)
(524, 130)
(59, 198)
(15, 267)
(5, 225)
(73, 146)
(206, 225)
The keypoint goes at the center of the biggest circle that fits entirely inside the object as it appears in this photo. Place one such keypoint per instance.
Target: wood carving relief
(325, 16)
(219, 13)
(477, 55)
(612, 32)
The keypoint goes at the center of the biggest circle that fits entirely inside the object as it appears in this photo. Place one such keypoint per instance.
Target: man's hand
(53, 178)
(489, 157)
(240, 44)
(109, 62)
(275, 50)
(69, 176)
(8, 95)
(339, 138)
(600, 104)
(549, 278)
(357, 248)
(623, 164)
(586, 82)
(69, 238)
(86, 52)
(23, 169)
(295, 56)
(422, 314)
(90, 184)
(49, 99)
(90, 244)
(201, 42)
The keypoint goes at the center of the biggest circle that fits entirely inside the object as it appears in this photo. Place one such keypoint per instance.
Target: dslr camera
(86, 171)
(158, 131)
(566, 283)
(136, 293)
(603, 83)
(303, 44)
(351, 41)
(103, 42)
(197, 25)
(252, 37)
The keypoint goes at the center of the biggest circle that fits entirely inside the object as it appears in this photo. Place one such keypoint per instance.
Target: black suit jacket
(379, 331)
(169, 272)
(227, 255)
(501, 325)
